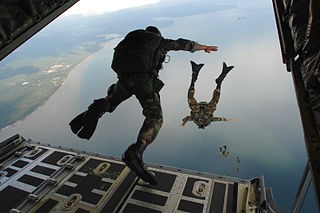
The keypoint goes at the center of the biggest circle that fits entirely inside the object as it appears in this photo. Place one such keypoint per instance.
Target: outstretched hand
(208, 49)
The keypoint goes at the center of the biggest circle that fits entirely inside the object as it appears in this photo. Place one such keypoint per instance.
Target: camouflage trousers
(209, 108)
(143, 88)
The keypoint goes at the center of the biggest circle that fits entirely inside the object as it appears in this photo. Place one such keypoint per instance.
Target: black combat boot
(85, 123)
(98, 107)
(133, 158)
(195, 71)
(225, 71)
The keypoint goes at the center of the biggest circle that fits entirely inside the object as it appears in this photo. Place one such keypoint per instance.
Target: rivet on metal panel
(101, 168)
(18, 153)
(52, 181)
(33, 152)
(72, 201)
(64, 160)
(80, 157)
(69, 166)
(33, 197)
(200, 188)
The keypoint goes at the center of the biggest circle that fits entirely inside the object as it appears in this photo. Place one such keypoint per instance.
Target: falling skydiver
(202, 112)
(137, 60)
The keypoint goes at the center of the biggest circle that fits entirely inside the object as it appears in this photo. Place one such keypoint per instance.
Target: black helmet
(154, 30)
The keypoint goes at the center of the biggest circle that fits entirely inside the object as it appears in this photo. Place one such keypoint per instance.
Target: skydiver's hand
(230, 119)
(208, 49)
(182, 124)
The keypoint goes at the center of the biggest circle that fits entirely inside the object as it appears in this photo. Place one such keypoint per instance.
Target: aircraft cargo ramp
(42, 178)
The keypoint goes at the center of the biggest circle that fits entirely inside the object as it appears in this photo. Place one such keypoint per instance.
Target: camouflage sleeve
(179, 44)
(219, 119)
(186, 119)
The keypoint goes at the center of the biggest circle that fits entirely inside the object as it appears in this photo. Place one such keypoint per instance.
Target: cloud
(97, 7)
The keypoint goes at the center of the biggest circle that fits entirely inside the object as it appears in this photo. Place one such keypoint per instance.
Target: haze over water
(258, 94)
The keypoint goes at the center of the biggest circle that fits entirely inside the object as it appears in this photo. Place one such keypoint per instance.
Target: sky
(97, 7)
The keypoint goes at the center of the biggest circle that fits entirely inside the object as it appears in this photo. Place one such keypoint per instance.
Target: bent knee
(153, 112)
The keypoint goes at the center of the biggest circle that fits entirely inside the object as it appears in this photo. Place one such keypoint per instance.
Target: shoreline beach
(109, 38)
(47, 99)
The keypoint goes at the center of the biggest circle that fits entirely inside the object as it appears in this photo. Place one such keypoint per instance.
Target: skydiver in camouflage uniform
(144, 84)
(202, 112)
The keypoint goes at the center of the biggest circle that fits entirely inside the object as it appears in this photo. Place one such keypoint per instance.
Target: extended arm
(185, 120)
(220, 119)
(187, 45)
(206, 48)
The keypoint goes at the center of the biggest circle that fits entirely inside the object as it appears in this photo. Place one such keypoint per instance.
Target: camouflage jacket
(167, 45)
(202, 117)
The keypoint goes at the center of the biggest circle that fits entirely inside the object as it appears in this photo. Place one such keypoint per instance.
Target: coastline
(47, 99)
(109, 38)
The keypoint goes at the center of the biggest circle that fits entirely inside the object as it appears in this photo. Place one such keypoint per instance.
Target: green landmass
(24, 92)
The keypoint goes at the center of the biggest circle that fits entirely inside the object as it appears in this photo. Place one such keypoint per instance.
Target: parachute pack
(135, 54)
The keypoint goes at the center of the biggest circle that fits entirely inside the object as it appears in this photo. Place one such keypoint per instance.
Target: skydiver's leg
(150, 102)
(195, 72)
(153, 118)
(225, 71)
(193, 104)
(84, 124)
(212, 105)
(116, 94)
